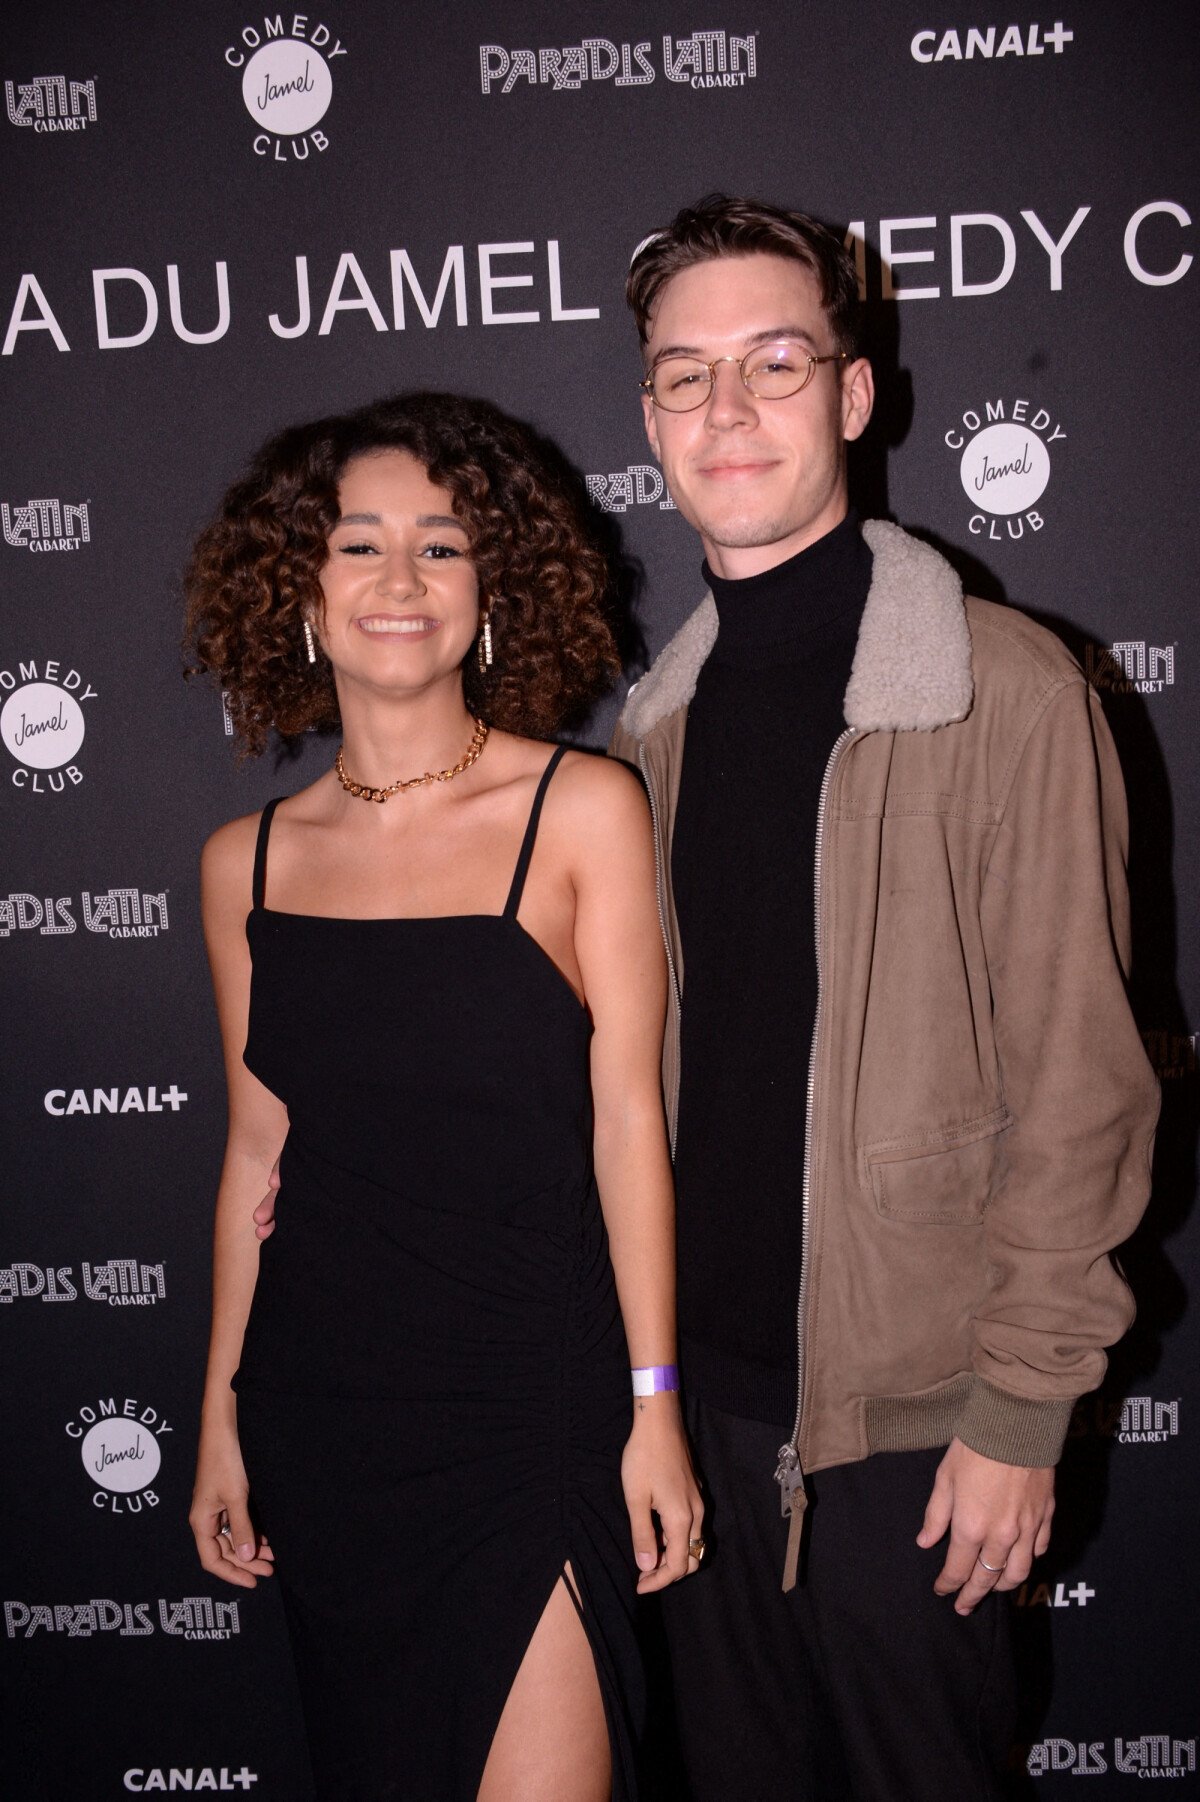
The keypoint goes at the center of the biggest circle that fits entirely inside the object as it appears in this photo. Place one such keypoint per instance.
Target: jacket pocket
(944, 1181)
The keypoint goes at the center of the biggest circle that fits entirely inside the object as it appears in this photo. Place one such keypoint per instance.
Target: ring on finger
(697, 1549)
(227, 1530)
(992, 1569)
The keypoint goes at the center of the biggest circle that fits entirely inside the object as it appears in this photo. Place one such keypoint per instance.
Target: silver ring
(992, 1569)
(227, 1530)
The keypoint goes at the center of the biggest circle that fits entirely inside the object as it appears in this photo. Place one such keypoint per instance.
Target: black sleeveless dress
(434, 1388)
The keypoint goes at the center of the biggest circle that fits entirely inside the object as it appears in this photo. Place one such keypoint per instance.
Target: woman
(448, 997)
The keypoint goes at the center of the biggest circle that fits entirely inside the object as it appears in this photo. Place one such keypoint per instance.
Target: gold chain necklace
(470, 756)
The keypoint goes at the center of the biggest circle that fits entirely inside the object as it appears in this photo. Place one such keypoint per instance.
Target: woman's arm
(618, 944)
(257, 1128)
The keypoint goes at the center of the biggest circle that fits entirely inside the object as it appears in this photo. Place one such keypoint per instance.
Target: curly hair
(254, 573)
(720, 227)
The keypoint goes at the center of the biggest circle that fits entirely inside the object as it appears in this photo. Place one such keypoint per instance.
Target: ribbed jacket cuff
(1011, 1428)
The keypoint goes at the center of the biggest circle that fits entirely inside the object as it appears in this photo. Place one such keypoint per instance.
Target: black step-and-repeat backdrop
(221, 220)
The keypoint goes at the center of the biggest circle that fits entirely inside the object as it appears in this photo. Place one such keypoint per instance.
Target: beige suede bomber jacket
(980, 1110)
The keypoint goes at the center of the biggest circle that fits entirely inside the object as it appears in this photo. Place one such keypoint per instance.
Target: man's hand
(264, 1213)
(998, 1515)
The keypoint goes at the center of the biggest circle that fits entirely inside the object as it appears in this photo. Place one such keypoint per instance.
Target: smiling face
(401, 596)
(759, 479)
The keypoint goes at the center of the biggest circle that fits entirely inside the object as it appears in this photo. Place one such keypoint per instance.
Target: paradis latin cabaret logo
(287, 83)
(51, 103)
(701, 59)
(639, 485)
(120, 1283)
(1003, 450)
(46, 525)
(116, 913)
(1151, 1755)
(1131, 667)
(191, 1617)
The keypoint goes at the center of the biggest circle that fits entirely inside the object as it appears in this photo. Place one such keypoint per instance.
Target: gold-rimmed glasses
(770, 371)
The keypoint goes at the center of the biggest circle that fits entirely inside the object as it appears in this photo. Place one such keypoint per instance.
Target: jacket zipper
(659, 890)
(789, 1474)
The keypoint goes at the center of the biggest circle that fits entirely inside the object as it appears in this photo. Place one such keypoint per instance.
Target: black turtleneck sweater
(766, 714)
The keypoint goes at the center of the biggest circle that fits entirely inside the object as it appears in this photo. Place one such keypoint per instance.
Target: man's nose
(731, 402)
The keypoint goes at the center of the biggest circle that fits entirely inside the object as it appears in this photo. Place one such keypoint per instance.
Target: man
(902, 1162)
(902, 1159)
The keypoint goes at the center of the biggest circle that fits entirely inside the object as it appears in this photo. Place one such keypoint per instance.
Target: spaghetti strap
(522, 869)
(259, 886)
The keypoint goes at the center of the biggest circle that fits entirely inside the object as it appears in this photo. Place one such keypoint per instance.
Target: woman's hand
(658, 1478)
(222, 1497)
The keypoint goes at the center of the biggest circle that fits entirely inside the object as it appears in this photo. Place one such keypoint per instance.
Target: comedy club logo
(120, 1445)
(49, 525)
(193, 1617)
(42, 724)
(1003, 451)
(121, 1283)
(702, 59)
(287, 83)
(51, 103)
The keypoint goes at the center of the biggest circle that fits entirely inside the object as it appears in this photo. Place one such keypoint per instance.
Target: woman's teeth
(397, 628)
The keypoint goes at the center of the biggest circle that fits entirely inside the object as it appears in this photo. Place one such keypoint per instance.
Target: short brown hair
(718, 226)
(254, 574)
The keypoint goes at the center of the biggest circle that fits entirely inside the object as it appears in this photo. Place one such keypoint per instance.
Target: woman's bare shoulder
(594, 774)
(230, 849)
(599, 801)
(227, 858)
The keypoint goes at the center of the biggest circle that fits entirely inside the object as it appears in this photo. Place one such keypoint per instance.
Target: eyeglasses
(769, 371)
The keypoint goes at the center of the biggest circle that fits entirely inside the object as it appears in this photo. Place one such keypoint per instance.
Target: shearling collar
(912, 665)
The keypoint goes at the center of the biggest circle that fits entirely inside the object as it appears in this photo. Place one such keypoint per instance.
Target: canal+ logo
(120, 1444)
(287, 83)
(1003, 451)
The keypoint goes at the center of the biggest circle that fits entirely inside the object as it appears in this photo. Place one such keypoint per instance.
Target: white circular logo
(42, 725)
(287, 87)
(1005, 468)
(121, 1455)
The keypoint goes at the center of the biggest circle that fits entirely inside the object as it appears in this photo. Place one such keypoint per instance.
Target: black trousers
(860, 1685)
